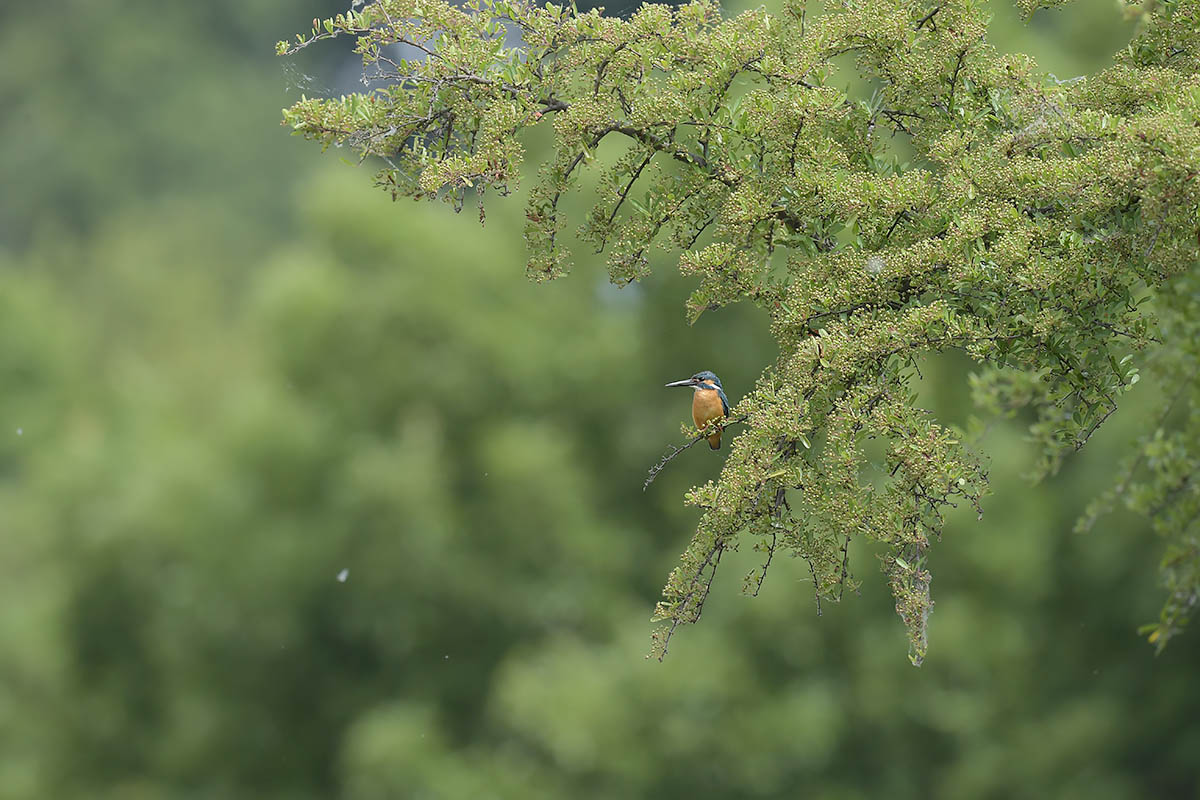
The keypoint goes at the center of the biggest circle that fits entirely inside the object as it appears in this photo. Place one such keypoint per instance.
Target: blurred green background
(232, 369)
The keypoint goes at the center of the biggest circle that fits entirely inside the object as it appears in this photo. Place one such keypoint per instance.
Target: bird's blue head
(700, 380)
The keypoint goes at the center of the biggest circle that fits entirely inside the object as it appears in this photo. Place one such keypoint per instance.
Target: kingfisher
(708, 402)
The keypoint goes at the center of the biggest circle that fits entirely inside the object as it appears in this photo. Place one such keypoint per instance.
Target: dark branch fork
(962, 54)
(928, 19)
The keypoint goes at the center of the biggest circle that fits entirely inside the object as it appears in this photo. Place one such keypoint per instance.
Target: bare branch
(675, 451)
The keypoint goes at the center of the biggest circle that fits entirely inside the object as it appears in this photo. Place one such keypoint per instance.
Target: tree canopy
(966, 201)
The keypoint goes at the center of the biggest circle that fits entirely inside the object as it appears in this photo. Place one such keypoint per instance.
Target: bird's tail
(714, 441)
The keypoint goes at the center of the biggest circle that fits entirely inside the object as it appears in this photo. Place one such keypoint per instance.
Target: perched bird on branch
(708, 402)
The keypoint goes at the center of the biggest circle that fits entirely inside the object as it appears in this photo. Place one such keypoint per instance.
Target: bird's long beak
(684, 382)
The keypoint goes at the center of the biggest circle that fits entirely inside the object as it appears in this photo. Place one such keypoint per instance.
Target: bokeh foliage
(223, 385)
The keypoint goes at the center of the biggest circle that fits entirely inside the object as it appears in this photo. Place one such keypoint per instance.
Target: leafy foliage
(1033, 220)
(1158, 478)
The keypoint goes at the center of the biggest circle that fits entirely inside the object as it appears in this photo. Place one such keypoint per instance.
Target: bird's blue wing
(724, 399)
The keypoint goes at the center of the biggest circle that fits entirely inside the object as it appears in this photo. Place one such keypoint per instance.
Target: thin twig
(713, 558)
(795, 141)
(657, 468)
(816, 586)
(762, 572)
(1119, 332)
(845, 560)
(1080, 442)
(699, 231)
(676, 450)
(962, 54)
(625, 193)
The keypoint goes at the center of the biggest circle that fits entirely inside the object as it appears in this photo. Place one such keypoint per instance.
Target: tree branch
(676, 450)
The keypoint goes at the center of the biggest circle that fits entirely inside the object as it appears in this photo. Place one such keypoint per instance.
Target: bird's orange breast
(706, 406)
